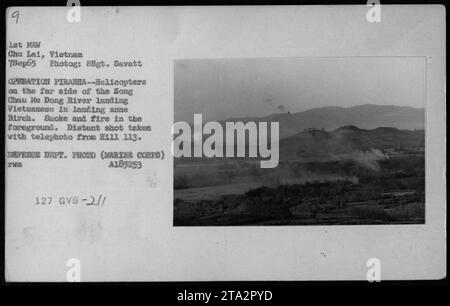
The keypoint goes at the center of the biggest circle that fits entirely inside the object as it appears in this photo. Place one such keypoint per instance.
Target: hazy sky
(230, 88)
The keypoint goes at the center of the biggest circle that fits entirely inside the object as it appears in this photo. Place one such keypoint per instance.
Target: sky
(234, 88)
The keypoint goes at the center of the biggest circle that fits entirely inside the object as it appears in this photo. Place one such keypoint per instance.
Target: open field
(346, 176)
(336, 192)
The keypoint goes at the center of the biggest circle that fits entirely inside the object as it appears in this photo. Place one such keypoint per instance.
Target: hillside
(368, 116)
(348, 139)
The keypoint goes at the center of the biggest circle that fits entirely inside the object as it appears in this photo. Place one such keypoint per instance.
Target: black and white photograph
(351, 143)
(224, 152)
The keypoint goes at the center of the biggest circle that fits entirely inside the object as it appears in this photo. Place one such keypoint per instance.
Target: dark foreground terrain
(392, 195)
(346, 176)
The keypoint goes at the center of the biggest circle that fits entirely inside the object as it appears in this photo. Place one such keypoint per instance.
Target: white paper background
(132, 237)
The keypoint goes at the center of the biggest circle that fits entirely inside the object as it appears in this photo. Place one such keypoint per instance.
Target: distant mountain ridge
(348, 139)
(367, 116)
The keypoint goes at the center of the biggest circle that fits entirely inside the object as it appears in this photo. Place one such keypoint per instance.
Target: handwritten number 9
(15, 15)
